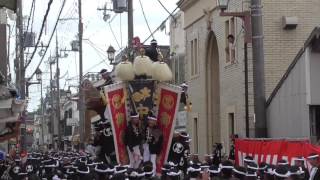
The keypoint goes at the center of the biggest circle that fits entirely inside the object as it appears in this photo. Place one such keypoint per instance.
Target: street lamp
(111, 51)
(38, 74)
(222, 4)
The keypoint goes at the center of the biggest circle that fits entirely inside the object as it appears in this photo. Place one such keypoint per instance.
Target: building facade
(215, 69)
(70, 122)
(177, 62)
(295, 102)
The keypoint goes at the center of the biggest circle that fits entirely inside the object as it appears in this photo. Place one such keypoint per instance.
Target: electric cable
(41, 31)
(120, 31)
(31, 10)
(54, 29)
(165, 9)
(151, 35)
(145, 18)
(32, 20)
(97, 50)
(114, 36)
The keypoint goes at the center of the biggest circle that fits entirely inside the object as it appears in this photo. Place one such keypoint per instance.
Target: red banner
(169, 96)
(271, 151)
(115, 94)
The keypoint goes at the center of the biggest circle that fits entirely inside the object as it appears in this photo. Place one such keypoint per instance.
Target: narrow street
(180, 89)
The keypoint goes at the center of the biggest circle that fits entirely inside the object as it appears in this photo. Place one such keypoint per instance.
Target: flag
(141, 96)
(118, 114)
(169, 98)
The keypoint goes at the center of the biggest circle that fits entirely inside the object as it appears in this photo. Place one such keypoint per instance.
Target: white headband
(248, 160)
(148, 173)
(152, 118)
(83, 172)
(313, 156)
(251, 175)
(135, 116)
(140, 174)
(174, 173)
(239, 172)
(281, 175)
(283, 163)
(121, 171)
(215, 171)
(251, 167)
(299, 172)
(100, 170)
(191, 169)
(225, 167)
(69, 172)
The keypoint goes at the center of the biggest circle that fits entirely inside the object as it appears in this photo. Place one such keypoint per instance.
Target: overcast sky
(96, 31)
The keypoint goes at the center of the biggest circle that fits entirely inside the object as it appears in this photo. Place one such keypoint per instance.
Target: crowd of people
(98, 161)
(83, 166)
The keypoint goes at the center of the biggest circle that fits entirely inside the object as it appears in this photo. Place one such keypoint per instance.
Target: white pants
(149, 157)
(153, 158)
(134, 157)
(146, 152)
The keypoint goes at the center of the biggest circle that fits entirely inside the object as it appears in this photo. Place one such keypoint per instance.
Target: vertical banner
(169, 98)
(141, 95)
(115, 94)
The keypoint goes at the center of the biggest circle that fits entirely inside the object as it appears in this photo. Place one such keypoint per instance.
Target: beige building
(215, 74)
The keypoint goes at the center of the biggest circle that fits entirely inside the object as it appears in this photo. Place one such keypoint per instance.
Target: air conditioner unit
(289, 22)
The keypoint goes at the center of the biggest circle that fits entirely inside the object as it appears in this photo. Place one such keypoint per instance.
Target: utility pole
(51, 100)
(258, 70)
(58, 90)
(42, 115)
(21, 52)
(21, 69)
(81, 93)
(130, 29)
(3, 51)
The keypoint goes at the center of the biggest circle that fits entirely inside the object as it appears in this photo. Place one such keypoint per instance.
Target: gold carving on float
(116, 101)
(165, 119)
(167, 102)
(143, 94)
(119, 119)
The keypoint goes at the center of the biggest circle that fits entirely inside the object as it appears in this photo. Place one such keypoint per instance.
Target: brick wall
(281, 46)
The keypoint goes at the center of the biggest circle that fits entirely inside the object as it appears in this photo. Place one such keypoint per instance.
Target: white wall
(288, 113)
(315, 78)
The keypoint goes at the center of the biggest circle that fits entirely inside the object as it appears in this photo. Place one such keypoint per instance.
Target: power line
(102, 61)
(120, 30)
(145, 18)
(32, 20)
(114, 36)
(41, 31)
(54, 29)
(151, 35)
(97, 49)
(165, 9)
(31, 10)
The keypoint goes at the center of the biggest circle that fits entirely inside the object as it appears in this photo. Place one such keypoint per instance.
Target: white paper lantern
(161, 71)
(124, 71)
(142, 65)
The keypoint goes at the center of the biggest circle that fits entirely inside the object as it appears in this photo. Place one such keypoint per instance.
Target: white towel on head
(55, 177)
